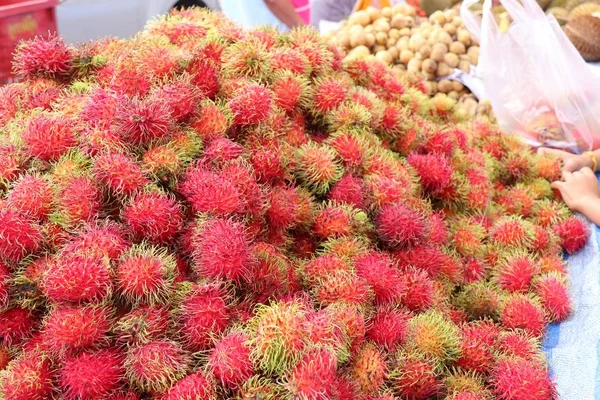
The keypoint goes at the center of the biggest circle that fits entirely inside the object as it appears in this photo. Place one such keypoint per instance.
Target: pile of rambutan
(203, 212)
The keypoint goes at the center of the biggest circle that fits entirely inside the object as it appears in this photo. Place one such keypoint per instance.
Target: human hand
(571, 162)
(578, 188)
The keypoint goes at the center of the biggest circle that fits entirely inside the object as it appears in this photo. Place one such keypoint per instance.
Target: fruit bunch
(203, 212)
(432, 47)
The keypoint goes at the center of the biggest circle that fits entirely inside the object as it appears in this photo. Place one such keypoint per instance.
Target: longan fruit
(463, 36)
(443, 70)
(429, 66)
(410, 11)
(464, 66)
(425, 51)
(394, 33)
(406, 56)
(358, 39)
(445, 38)
(405, 32)
(359, 18)
(386, 12)
(473, 53)
(370, 39)
(457, 86)
(416, 42)
(437, 54)
(414, 65)
(372, 12)
(343, 39)
(438, 17)
(402, 44)
(458, 48)
(381, 38)
(382, 25)
(394, 52)
(378, 47)
(398, 9)
(451, 60)
(384, 56)
(444, 86)
(451, 29)
(370, 29)
(398, 21)
(391, 42)
(454, 95)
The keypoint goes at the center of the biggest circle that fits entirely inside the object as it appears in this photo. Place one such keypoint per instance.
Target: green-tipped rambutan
(512, 232)
(79, 201)
(32, 196)
(461, 385)
(547, 213)
(92, 375)
(197, 385)
(414, 377)
(230, 360)
(276, 336)
(573, 234)
(385, 280)
(518, 343)
(69, 329)
(156, 366)
(212, 120)
(251, 105)
(524, 312)
(19, 235)
(368, 369)
(477, 340)
(290, 91)
(420, 293)
(350, 190)
(145, 274)
(516, 379)
(389, 328)
(342, 286)
(433, 336)
(554, 296)
(467, 236)
(335, 220)
(314, 375)
(28, 377)
(140, 122)
(203, 312)
(248, 58)
(317, 167)
(142, 324)
(479, 300)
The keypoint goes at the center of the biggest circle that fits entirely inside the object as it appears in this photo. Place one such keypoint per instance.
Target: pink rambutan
(517, 343)
(368, 369)
(520, 311)
(399, 226)
(156, 366)
(230, 360)
(350, 190)
(420, 293)
(516, 201)
(154, 217)
(43, 56)
(389, 328)
(474, 270)
(439, 231)
(290, 60)
(16, 324)
(317, 167)
(221, 250)
(477, 340)
(415, 378)
(10, 162)
(554, 296)
(119, 173)
(69, 329)
(208, 192)
(145, 274)
(349, 148)
(314, 375)
(329, 93)
(205, 76)
(142, 324)
(32, 196)
(320, 267)
(272, 274)
(80, 201)
(212, 121)
(100, 108)
(290, 91)
(141, 121)
(221, 150)
(426, 258)
(28, 377)
(378, 271)
(48, 136)
(251, 105)
(336, 220)
(242, 176)
(4, 285)
(269, 165)
(107, 240)
(516, 273)
(573, 234)
(435, 171)
(77, 277)
(19, 235)
(342, 286)
(92, 374)
(197, 385)
(203, 312)
(519, 379)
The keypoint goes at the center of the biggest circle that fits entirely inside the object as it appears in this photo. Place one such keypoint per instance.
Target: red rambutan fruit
(230, 360)
(389, 328)
(28, 377)
(439, 231)
(119, 173)
(276, 335)
(242, 176)
(4, 286)
(349, 148)
(516, 201)
(350, 190)
(203, 312)
(420, 291)
(145, 274)
(399, 226)
(205, 76)
(426, 258)
(317, 167)
(77, 277)
(269, 165)
(385, 191)
(435, 171)
(68, 329)
(221, 250)
(206, 191)
(251, 105)
(290, 60)
(197, 385)
(15, 325)
(10, 163)
(518, 379)
(143, 324)
(272, 274)
(520, 311)
(548, 167)
(544, 241)
(100, 108)
(92, 375)
(19, 235)
(154, 217)
(336, 220)
(512, 232)
(212, 120)
(329, 93)
(32, 196)
(553, 263)
(290, 91)
(554, 296)
(180, 96)
(573, 234)
(320, 267)
(80, 201)
(107, 240)
(48, 137)
(124, 395)
(474, 270)
(517, 343)
(141, 121)
(221, 150)
(156, 366)
(368, 369)
(516, 273)
(313, 376)
(381, 275)
(342, 286)
(434, 336)
(43, 56)
(477, 341)
(248, 58)
(467, 237)
(415, 378)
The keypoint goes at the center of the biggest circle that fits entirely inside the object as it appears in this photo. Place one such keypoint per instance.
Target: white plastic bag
(538, 84)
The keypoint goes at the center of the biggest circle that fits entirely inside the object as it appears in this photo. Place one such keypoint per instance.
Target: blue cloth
(573, 346)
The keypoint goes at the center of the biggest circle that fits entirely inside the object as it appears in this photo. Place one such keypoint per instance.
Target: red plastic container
(21, 20)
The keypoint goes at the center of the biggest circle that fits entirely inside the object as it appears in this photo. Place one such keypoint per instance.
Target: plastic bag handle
(471, 21)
